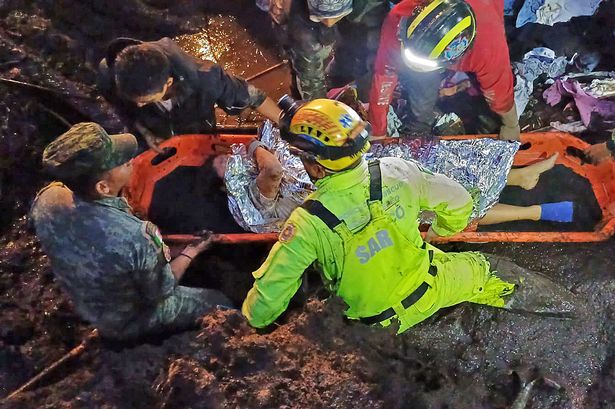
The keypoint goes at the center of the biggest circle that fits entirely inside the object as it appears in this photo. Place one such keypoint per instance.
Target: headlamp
(356, 141)
(415, 60)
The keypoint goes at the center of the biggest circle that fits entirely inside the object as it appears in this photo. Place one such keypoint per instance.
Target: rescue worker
(360, 229)
(311, 30)
(164, 91)
(114, 266)
(421, 39)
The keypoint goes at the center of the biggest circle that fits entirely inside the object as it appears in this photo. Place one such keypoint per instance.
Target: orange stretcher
(193, 150)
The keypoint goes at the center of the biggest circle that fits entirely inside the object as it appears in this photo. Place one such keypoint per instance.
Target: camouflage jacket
(113, 265)
(281, 10)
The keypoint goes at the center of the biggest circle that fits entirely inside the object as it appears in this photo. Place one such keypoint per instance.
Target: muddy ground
(464, 357)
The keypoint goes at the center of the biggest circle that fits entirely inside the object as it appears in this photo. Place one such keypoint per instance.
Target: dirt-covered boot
(534, 292)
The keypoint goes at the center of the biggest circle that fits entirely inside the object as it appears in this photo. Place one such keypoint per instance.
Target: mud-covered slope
(464, 357)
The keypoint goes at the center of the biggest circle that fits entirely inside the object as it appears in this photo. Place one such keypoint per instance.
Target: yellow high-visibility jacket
(375, 257)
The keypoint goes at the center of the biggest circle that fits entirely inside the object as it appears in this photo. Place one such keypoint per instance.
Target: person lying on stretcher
(264, 194)
(268, 192)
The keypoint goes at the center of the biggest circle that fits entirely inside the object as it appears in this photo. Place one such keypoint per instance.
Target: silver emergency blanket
(241, 171)
(479, 165)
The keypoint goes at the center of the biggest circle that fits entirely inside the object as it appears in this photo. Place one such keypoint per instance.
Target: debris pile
(465, 357)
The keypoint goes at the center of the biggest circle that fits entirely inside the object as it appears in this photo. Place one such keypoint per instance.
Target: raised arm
(385, 75)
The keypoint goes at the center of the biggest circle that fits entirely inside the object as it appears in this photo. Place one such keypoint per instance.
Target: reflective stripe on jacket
(488, 58)
(407, 189)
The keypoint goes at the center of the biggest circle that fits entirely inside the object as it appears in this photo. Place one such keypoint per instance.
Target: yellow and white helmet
(329, 131)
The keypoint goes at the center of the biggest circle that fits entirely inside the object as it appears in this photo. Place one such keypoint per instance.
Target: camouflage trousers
(178, 312)
(309, 47)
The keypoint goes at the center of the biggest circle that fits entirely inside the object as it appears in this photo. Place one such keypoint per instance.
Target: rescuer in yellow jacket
(360, 229)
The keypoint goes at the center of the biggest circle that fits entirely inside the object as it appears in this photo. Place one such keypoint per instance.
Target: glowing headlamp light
(414, 59)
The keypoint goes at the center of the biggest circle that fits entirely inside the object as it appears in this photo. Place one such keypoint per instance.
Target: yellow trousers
(461, 277)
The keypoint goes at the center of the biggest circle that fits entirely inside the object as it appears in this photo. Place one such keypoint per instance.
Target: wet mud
(464, 357)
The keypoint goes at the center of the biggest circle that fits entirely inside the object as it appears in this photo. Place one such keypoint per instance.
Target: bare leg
(501, 213)
(527, 177)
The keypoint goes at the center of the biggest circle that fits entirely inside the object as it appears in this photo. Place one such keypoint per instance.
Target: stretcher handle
(168, 152)
(223, 238)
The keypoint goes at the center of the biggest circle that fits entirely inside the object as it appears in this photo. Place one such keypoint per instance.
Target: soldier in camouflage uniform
(310, 30)
(114, 266)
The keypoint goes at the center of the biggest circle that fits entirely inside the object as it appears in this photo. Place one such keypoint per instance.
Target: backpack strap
(375, 181)
(315, 208)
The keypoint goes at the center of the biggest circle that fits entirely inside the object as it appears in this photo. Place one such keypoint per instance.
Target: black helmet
(437, 34)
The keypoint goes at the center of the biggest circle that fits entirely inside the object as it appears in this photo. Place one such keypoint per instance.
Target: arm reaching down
(151, 139)
(451, 202)
(180, 264)
(385, 75)
(510, 130)
(270, 110)
(280, 276)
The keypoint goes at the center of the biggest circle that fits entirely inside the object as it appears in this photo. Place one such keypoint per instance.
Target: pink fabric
(586, 104)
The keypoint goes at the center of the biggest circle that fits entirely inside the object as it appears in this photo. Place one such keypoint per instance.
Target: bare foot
(530, 175)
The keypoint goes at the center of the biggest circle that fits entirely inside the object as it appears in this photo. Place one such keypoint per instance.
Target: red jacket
(488, 59)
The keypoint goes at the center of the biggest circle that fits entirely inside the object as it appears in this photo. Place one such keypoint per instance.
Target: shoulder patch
(151, 232)
(287, 233)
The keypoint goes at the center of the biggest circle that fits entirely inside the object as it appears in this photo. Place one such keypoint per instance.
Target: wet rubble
(465, 357)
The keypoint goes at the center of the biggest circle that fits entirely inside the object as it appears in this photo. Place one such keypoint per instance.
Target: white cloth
(535, 63)
(601, 88)
(571, 127)
(549, 12)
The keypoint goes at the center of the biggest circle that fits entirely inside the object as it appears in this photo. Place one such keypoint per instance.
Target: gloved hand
(152, 140)
(510, 130)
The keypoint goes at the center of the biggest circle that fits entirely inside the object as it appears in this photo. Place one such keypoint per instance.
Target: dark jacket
(199, 86)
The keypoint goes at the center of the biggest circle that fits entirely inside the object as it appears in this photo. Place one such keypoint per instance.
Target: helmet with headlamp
(328, 131)
(437, 34)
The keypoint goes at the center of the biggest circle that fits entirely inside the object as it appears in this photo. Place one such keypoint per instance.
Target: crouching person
(114, 266)
(360, 229)
(164, 91)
